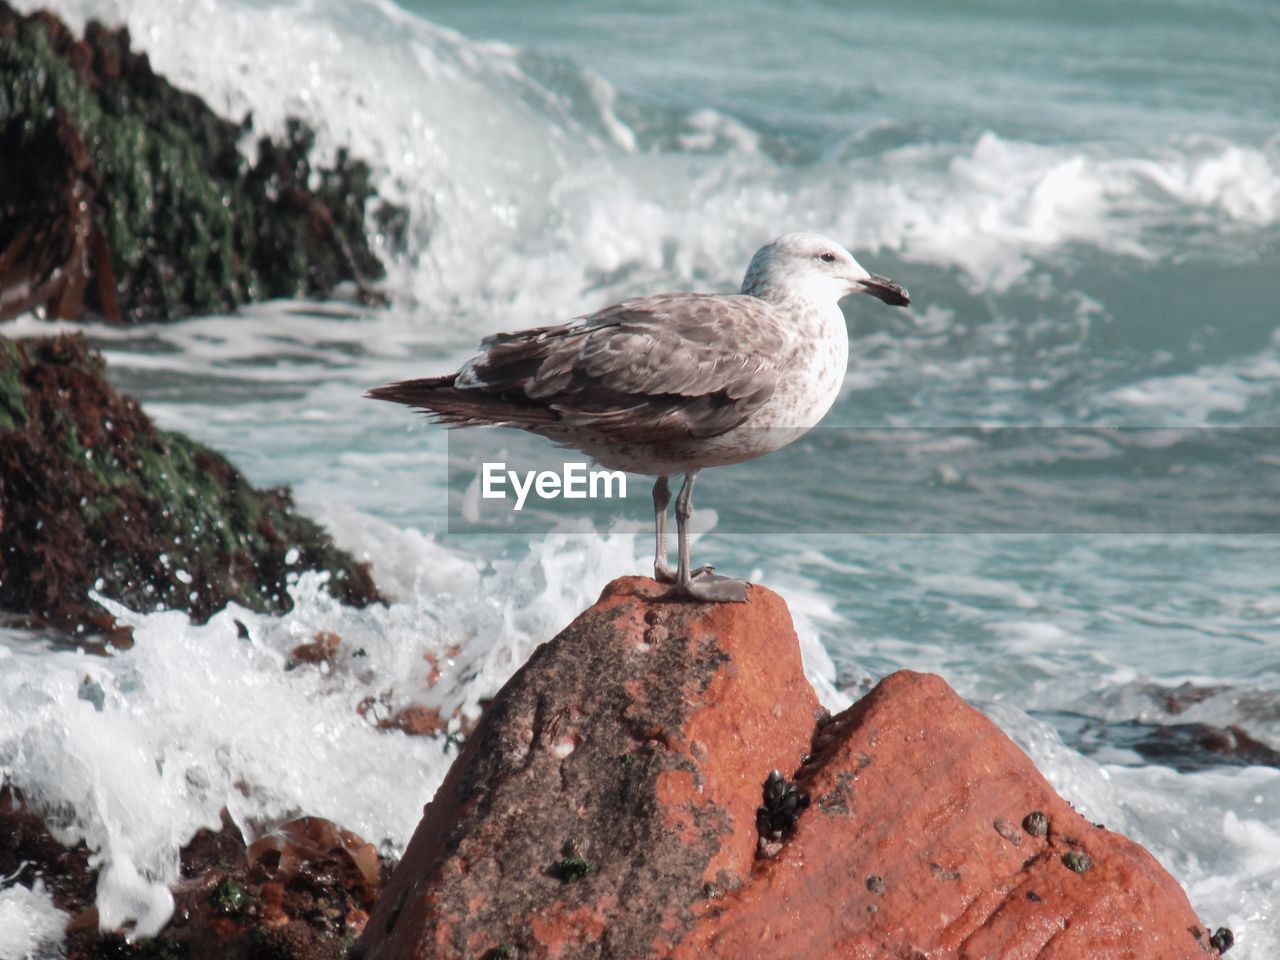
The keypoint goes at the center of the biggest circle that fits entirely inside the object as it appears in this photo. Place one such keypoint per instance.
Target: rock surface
(937, 837)
(129, 198)
(300, 892)
(609, 793)
(606, 806)
(92, 494)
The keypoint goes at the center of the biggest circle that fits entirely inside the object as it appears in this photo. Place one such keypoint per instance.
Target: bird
(673, 383)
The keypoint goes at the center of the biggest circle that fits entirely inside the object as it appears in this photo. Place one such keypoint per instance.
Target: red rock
(322, 649)
(913, 786)
(293, 846)
(299, 893)
(615, 775)
(417, 721)
(606, 807)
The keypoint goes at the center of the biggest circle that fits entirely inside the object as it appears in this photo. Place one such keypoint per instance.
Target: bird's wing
(693, 365)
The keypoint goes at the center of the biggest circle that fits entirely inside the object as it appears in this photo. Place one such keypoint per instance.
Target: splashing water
(1089, 234)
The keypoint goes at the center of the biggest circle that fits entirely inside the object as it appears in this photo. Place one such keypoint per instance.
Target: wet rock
(1195, 746)
(94, 497)
(1186, 747)
(1177, 699)
(128, 198)
(635, 744)
(301, 892)
(643, 734)
(920, 817)
(321, 649)
(292, 847)
(417, 721)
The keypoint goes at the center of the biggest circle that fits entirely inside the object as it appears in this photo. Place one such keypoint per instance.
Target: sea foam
(531, 195)
(134, 752)
(30, 925)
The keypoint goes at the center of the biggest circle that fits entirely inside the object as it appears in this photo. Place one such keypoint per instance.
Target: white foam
(1004, 591)
(531, 197)
(1212, 391)
(30, 925)
(995, 208)
(1229, 862)
(1238, 185)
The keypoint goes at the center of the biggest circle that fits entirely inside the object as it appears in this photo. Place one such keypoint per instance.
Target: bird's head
(812, 266)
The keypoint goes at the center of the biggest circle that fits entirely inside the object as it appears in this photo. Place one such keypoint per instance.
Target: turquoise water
(1084, 201)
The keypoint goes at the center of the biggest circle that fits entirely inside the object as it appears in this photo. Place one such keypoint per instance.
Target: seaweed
(93, 496)
(130, 199)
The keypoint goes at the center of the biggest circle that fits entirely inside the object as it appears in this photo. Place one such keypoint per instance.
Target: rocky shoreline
(94, 496)
(128, 199)
(659, 780)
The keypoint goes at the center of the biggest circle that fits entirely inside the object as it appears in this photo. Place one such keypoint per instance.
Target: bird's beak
(882, 288)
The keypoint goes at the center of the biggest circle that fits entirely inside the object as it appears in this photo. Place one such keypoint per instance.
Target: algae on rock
(127, 197)
(94, 496)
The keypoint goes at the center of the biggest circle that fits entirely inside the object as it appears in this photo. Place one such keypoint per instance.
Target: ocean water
(1084, 201)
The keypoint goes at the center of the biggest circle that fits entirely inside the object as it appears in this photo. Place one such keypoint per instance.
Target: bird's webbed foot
(711, 588)
(664, 573)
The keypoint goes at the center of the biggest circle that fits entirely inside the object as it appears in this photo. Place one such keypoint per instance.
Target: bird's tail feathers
(462, 407)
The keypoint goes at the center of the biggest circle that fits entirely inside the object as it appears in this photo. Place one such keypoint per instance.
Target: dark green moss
(13, 396)
(94, 496)
(229, 898)
(571, 865)
(94, 144)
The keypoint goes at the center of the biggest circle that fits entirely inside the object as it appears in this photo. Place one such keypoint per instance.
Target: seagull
(673, 383)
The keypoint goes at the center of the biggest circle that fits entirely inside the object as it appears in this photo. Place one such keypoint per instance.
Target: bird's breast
(810, 375)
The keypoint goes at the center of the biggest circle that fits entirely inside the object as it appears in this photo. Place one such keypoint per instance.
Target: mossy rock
(308, 906)
(94, 496)
(129, 198)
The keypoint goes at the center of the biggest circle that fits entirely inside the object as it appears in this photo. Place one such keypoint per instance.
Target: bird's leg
(703, 585)
(662, 571)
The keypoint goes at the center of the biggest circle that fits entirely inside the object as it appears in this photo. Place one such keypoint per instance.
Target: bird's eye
(827, 257)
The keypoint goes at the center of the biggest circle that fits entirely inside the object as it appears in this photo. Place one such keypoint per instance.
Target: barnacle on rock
(783, 804)
(1076, 860)
(1036, 823)
(1222, 940)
